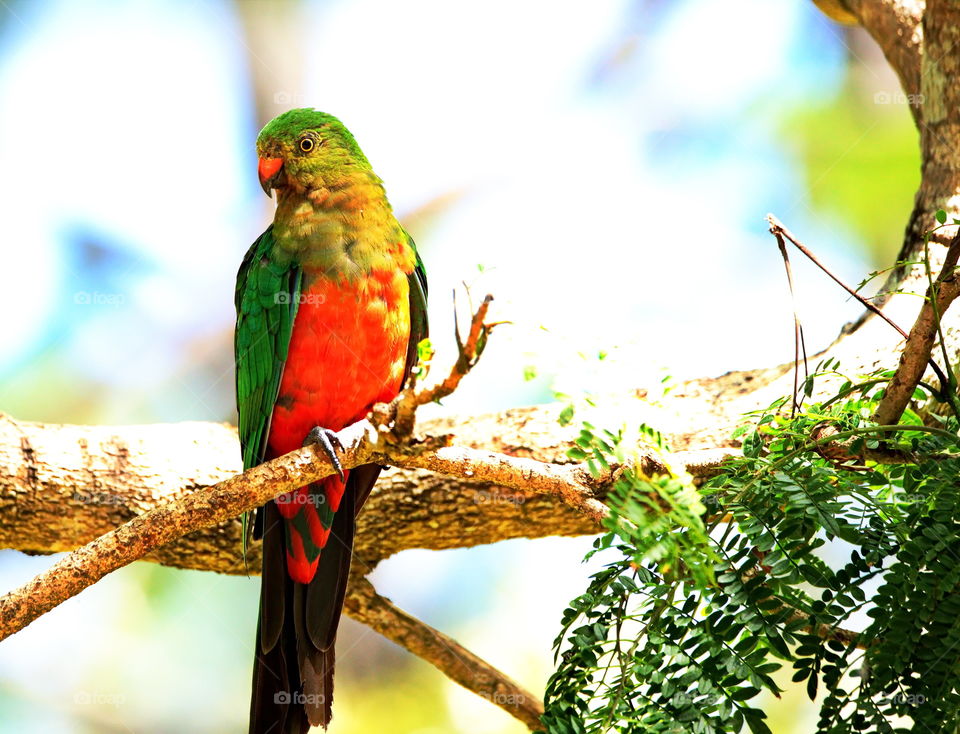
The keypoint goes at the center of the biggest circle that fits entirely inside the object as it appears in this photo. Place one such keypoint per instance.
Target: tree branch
(208, 506)
(824, 631)
(456, 662)
(224, 501)
(916, 353)
(571, 483)
(404, 410)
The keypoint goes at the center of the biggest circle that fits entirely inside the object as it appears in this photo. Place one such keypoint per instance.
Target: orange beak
(270, 170)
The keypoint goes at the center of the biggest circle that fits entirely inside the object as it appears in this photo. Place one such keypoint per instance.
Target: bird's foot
(328, 441)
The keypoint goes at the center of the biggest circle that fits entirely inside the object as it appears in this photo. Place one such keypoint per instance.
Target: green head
(304, 149)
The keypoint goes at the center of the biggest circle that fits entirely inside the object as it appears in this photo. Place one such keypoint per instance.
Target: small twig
(452, 659)
(401, 420)
(824, 631)
(777, 227)
(916, 352)
(839, 452)
(798, 342)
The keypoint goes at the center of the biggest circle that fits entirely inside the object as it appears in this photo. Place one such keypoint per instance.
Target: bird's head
(304, 149)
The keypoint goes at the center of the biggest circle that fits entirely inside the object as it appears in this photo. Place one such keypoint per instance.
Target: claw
(328, 441)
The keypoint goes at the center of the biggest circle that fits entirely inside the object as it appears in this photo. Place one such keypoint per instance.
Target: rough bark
(63, 486)
(919, 344)
(939, 121)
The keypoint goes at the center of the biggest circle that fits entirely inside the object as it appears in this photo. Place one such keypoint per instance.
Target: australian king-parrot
(331, 305)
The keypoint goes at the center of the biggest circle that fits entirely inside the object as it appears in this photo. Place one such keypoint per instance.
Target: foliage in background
(859, 155)
(708, 594)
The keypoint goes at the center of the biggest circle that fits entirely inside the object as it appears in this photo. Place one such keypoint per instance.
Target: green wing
(419, 328)
(267, 297)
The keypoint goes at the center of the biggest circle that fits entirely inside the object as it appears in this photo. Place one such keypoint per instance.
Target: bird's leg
(328, 441)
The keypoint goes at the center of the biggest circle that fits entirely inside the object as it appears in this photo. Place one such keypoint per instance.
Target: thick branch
(940, 114)
(134, 539)
(916, 353)
(938, 119)
(230, 498)
(63, 486)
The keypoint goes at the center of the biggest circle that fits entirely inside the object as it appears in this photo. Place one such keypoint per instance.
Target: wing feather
(267, 297)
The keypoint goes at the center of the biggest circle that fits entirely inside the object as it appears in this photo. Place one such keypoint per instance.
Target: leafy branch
(708, 592)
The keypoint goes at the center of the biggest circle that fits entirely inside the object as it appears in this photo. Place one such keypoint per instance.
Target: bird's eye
(307, 144)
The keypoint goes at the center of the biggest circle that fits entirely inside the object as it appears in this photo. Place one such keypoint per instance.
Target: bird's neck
(339, 231)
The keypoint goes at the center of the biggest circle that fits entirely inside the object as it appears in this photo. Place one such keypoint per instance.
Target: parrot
(331, 306)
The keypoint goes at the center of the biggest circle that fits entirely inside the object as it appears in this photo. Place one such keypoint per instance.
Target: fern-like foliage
(844, 571)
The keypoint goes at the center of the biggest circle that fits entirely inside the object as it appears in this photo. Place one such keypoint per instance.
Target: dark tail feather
(276, 674)
(366, 477)
(297, 630)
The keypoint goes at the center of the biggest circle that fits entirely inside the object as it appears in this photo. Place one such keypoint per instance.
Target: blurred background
(603, 168)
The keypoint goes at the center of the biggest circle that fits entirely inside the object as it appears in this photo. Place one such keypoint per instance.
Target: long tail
(297, 628)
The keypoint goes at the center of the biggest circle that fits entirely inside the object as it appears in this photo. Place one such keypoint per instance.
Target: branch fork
(397, 419)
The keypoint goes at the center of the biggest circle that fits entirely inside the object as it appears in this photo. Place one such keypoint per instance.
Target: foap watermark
(481, 497)
(97, 498)
(898, 97)
(285, 298)
(98, 698)
(684, 699)
(290, 98)
(297, 697)
(503, 699)
(908, 699)
(909, 499)
(96, 298)
(301, 498)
